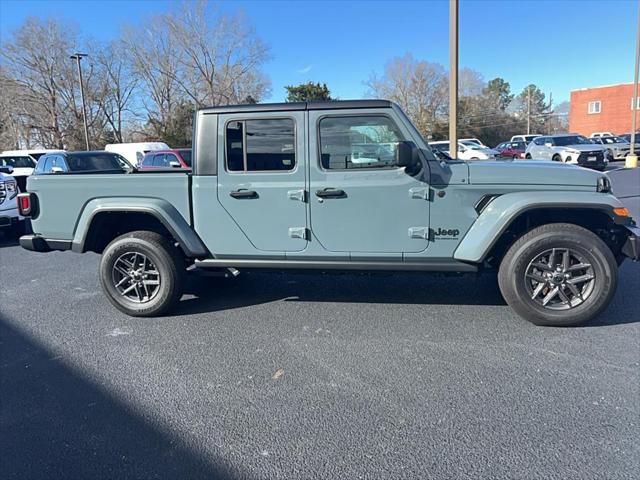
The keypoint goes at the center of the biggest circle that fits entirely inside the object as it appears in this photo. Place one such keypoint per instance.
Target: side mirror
(8, 169)
(548, 144)
(407, 156)
(56, 170)
(174, 164)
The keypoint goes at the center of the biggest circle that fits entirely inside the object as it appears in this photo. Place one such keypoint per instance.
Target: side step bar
(432, 266)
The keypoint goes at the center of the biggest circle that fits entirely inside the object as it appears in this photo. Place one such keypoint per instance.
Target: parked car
(293, 186)
(135, 152)
(22, 165)
(177, 158)
(568, 148)
(512, 150)
(524, 138)
(616, 147)
(601, 134)
(473, 140)
(10, 219)
(33, 153)
(81, 162)
(627, 137)
(469, 151)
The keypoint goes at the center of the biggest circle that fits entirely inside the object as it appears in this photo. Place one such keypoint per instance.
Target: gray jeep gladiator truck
(345, 185)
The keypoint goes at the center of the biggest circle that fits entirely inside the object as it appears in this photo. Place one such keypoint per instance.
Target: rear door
(360, 201)
(261, 177)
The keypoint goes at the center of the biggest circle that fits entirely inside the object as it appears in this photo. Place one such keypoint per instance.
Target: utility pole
(528, 109)
(78, 56)
(453, 78)
(632, 159)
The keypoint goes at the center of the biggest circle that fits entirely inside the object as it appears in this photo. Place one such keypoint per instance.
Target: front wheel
(558, 274)
(142, 273)
(527, 156)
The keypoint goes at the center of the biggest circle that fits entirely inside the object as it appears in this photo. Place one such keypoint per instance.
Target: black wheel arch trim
(184, 234)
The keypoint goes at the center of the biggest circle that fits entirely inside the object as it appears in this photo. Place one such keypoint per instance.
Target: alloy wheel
(559, 279)
(135, 277)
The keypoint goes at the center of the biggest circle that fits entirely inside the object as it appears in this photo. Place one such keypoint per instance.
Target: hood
(531, 173)
(584, 148)
(22, 172)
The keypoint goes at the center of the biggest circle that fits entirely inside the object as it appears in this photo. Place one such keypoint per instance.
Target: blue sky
(558, 45)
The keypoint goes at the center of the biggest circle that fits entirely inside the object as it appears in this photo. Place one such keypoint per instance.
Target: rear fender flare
(162, 210)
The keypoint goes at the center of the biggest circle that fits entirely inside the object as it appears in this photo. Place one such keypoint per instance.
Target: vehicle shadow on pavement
(209, 294)
(56, 423)
(7, 241)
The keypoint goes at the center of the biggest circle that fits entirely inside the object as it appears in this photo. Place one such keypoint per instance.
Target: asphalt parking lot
(304, 376)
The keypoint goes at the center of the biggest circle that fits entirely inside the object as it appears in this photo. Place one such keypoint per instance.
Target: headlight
(572, 151)
(12, 188)
(604, 185)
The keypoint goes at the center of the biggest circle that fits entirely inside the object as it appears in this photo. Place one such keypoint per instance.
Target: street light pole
(453, 78)
(78, 56)
(632, 159)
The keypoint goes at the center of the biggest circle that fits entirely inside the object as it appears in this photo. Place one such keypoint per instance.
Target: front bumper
(9, 217)
(37, 243)
(631, 247)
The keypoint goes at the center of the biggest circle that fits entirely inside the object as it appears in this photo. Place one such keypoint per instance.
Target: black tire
(516, 286)
(161, 256)
(527, 156)
(556, 158)
(515, 157)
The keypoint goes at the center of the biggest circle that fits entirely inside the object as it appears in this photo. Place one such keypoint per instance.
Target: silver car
(568, 148)
(617, 147)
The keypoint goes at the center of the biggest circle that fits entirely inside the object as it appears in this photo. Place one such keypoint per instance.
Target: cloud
(306, 69)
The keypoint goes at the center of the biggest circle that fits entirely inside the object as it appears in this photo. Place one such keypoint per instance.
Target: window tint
(261, 145)
(17, 162)
(186, 156)
(147, 161)
(358, 142)
(89, 162)
(159, 160)
(518, 146)
(538, 141)
(170, 157)
(58, 161)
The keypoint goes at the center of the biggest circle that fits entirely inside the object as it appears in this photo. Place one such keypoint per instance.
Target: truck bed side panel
(63, 198)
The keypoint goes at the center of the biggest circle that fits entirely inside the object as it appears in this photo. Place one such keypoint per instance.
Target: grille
(583, 157)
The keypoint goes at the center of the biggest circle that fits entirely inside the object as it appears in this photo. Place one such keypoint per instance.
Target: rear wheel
(527, 156)
(558, 274)
(142, 273)
(515, 157)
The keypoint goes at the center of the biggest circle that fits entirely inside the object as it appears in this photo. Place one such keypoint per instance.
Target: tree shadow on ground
(55, 423)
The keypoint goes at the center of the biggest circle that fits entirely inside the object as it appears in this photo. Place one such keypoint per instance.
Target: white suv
(10, 219)
(466, 151)
(568, 148)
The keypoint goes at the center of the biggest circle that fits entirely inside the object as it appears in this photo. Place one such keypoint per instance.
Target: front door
(261, 178)
(360, 201)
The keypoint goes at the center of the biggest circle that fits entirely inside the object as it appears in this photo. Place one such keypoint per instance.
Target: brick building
(602, 109)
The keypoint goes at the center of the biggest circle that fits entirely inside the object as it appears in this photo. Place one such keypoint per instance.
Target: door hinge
(419, 232)
(420, 193)
(299, 232)
(300, 195)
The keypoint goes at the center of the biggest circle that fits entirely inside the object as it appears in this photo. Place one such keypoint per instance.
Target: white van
(134, 152)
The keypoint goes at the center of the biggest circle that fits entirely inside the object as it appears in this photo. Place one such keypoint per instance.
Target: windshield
(17, 162)
(571, 140)
(97, 161)
(186, 155)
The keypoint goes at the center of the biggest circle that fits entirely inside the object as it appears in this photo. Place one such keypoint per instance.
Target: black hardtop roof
(280, 107)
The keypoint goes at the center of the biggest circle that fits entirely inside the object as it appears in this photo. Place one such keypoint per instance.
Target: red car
(512, 150)
(178, 158)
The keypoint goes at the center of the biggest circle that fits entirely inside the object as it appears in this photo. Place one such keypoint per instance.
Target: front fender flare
(499, 214)
(162, 210)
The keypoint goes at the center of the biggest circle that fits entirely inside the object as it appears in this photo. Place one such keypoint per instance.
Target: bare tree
(37, 58)
(115, 88)
(153, 57)
(219, 56)
(419, 87)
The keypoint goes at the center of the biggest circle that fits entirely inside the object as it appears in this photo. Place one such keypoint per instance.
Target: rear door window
(159, 160)
(260, 145)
